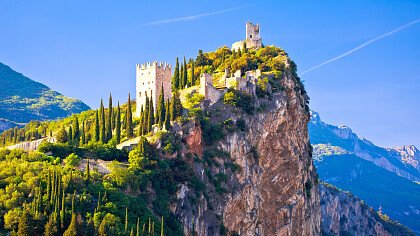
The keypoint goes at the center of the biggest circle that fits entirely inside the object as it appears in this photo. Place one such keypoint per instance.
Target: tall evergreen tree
(185, 75)
(109, 120)
(141, 122)
(167, 116)
(73, 228)
(175, 78)
(151, 117)
(161, 228)
(138, 227)
(175, 106)
(160, 114)
(129, 119)
(76, 132)
(146, 116)
(25, 227)
(51, 228)
(96, 126)
(83, 132)
(118, 124)
(70, 135)
(192, 73)
(102, 113)
(126, 220)
(181, 77)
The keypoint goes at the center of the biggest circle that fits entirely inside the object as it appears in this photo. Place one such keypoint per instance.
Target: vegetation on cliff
(61, 188)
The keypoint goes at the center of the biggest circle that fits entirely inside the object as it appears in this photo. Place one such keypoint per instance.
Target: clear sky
(87, 49)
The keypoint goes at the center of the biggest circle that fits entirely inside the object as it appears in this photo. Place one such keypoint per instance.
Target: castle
(252, 38)
(150, 78)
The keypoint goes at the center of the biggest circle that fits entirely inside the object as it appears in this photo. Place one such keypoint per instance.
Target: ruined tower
(150, 77)
(252, 38)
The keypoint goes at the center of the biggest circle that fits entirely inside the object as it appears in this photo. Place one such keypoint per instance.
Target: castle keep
(150, 77)
(252, 38)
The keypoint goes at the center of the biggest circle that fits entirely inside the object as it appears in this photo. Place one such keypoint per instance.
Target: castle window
(250, 36)
(139, 94)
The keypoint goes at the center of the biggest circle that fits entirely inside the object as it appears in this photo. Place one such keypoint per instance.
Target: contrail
(193, 17)
(363, 45)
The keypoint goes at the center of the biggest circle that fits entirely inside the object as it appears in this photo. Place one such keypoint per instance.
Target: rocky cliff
(345, 214)
(259, 180)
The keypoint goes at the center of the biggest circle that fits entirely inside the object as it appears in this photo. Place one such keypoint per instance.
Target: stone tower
(252, 38)
(150, 77)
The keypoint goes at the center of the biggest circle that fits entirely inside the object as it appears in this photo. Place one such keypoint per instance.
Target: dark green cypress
(102, 114)
(160, 115)
(83, 133)
(181, 77)
(185, 75)
(25, 227)
(146, 116)
(129, 117)
(70, 135)
(192, 73)
(96, 126)
(118, 124)
(175, 78)
(175, 106)
(76, 132)
(109, 121)
(141, 127)
(167, 117)
(151, 117)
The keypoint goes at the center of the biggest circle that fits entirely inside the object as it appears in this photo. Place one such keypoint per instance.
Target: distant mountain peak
(23, 100)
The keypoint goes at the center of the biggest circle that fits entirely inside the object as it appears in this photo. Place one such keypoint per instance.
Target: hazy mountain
(23, 100)
(379, 176)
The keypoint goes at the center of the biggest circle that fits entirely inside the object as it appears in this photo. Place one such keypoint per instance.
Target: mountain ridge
(23, 99)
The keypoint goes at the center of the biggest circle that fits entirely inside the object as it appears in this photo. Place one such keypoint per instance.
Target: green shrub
(239, 99)
(211, 132)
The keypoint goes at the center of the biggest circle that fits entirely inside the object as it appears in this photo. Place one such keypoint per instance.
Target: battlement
(252, 38)
(154, 64)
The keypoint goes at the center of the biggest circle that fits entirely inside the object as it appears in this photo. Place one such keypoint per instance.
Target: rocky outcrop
(345, 214)
(409, 155)
(274, 190)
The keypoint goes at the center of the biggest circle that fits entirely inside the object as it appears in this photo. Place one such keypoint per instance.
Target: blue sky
(87, 49)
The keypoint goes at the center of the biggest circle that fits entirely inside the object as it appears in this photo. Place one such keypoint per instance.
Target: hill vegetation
(55, 191)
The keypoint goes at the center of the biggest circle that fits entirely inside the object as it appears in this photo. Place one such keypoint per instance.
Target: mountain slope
(345, 214)
(23, 100)
(399, 197)
(343, 137)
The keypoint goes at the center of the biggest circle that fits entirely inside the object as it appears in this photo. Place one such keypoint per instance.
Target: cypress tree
(70, 135)
(90, 227)
(167, 117)
(175, 106)
(102, 113)
(141, 122)
(51, 228)
(146, 116)
(126, 220)
(76, 132)
(83, 133)
(181, 77)
(151, 117)
(109, 121)
(132, 232)
(72, 230)
(161, 228)
(192, 73)
(185, 75)
(129, 117)
(175, 78)
(25, 227)
(96, 126)
(239, 53)
(138, 227)
(63, 209)
(118, 124)
(161, 109)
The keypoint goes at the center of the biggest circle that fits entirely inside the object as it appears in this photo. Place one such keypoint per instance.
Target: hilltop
(23, 100)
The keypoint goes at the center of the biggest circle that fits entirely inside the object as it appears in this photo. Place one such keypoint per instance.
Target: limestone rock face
(275, 191)
(345, 214)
